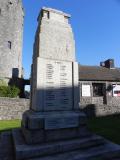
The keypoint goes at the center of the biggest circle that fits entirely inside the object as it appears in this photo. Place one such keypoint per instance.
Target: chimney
(102, 64)
(108, 64)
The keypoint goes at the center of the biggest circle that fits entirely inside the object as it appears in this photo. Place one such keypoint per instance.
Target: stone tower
(11, 38)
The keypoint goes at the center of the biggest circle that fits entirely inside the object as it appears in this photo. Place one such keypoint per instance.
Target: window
(86, 90)
(116, 90)
(97, 89)
(9, 44)
(0, 11)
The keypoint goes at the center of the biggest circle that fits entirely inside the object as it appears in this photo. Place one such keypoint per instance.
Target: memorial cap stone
(54, 38)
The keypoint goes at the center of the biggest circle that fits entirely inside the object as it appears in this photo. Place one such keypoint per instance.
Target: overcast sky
(95, 23)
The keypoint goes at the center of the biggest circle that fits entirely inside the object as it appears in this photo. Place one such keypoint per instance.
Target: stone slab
(33, 136)
(24, 151)
(61, 122)
(53, 120)
(40, 136)
(54, 85)
(108, 151)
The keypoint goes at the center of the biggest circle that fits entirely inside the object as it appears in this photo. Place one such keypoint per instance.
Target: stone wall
(12, 108)
(97, 110)
(91, 99)
(99, 106)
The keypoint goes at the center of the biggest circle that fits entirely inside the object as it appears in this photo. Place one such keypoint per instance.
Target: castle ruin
(11, 39)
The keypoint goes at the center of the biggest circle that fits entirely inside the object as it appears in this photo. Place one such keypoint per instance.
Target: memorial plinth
(54, 113)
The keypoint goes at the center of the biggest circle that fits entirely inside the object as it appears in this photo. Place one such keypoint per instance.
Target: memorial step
(107, 151)
(24, 151)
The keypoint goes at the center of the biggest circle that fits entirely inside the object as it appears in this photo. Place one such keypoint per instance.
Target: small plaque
(61, 122)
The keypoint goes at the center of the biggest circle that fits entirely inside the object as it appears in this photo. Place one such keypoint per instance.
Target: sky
(95, 24)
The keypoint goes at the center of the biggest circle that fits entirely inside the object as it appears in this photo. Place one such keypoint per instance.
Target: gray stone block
(50, 126)
(54, 85)
(53, 120)
(65, 134)
(56, 32)
(43, 136)
(33, 136)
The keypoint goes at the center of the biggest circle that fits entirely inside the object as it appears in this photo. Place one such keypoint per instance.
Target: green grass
(9, 124)
(108, 127)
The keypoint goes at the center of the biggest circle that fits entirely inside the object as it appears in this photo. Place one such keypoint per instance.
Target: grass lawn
(9, 124)
(108, 127)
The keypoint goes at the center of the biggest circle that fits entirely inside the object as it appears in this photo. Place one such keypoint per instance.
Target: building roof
(98, 73)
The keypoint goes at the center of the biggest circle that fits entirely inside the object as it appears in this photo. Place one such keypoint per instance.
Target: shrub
(9, 91)
(2, 82)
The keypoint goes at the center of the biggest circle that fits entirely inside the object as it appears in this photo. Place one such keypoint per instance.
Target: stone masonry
(11, 38)
(13, 108)
(54, 34)
(99, 105)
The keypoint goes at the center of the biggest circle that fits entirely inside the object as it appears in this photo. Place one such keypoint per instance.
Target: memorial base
(53, 132)
(40, 127)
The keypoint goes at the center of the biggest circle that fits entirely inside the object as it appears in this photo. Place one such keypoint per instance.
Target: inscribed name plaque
(62, 122)
(56, 84)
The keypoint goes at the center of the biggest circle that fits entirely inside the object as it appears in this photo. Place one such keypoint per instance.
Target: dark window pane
(97, 89)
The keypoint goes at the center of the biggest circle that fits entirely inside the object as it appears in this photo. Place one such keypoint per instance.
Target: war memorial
(54, 128)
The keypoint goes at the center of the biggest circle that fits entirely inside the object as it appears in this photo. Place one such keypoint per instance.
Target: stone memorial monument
(54, 128)
(54, 123)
